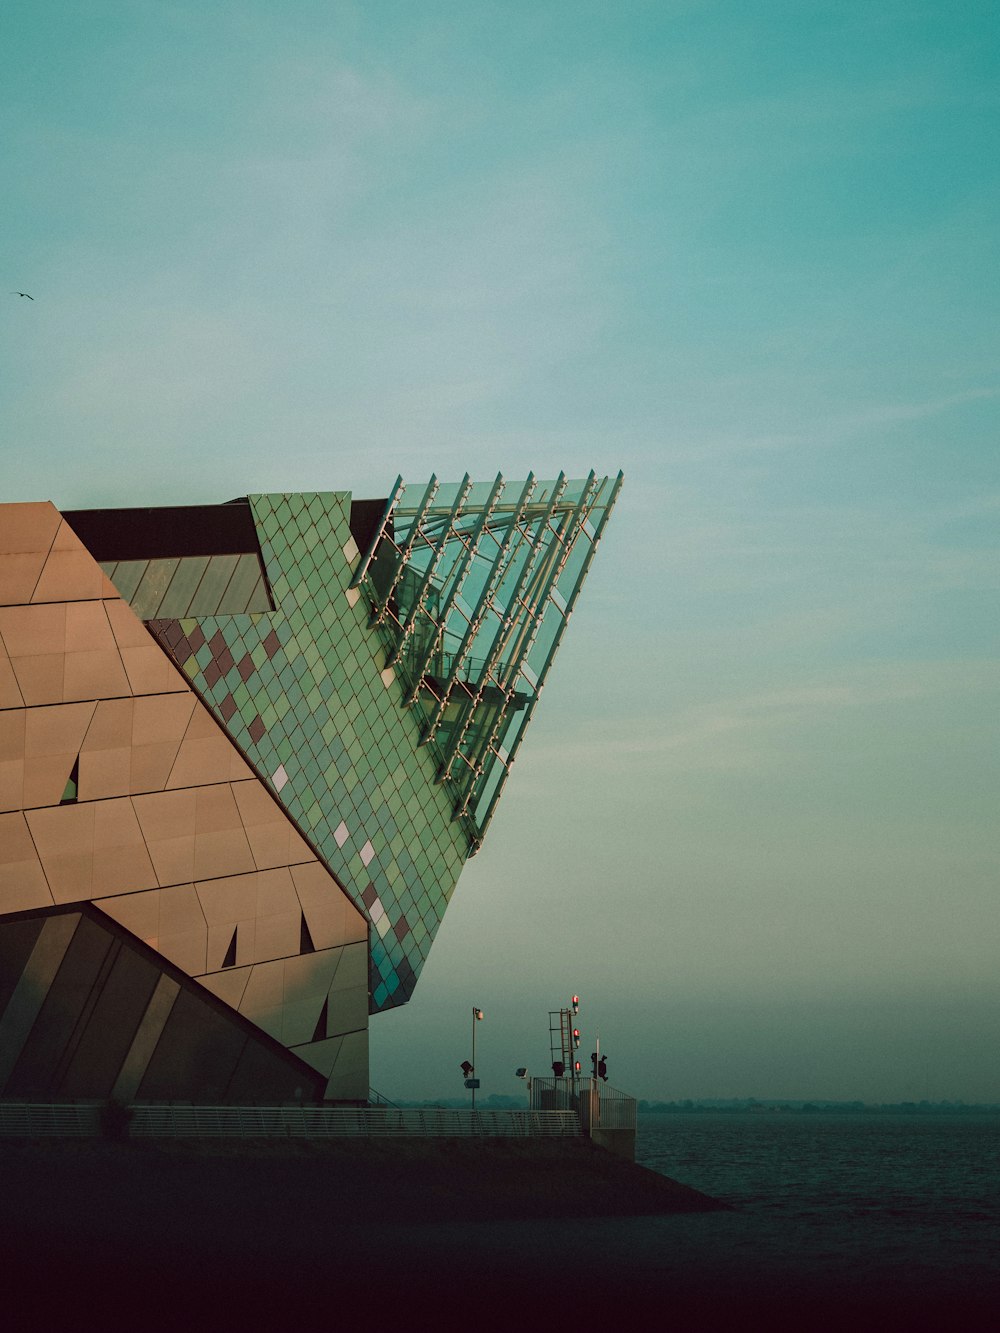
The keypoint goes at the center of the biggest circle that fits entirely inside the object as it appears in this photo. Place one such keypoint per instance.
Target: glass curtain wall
(471, 586)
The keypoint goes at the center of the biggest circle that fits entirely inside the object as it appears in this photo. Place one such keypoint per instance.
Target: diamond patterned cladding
(316, 705)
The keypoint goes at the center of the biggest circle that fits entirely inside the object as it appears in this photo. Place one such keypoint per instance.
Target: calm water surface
(929, 1167)
(904, 1206)
(846, 1221)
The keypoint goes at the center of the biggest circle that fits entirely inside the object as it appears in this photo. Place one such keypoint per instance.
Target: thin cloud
(738, 733)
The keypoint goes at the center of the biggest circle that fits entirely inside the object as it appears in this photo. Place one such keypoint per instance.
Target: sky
(745, 253)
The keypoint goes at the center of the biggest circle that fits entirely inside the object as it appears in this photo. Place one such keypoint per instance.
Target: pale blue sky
(745, 252)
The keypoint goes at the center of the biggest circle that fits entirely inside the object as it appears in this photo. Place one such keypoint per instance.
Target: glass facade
(165, 930)
(194, 585)
(471, 587)
(275, 832)
(385, 697)
(305, 693)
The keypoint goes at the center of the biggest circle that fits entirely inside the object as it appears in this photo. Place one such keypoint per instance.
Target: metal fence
(22, 1120)
(614, 1109)
(556, 1094)
(32, 1121)
(594, 1103)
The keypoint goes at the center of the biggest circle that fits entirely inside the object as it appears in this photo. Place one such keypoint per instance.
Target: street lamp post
(477, 1015)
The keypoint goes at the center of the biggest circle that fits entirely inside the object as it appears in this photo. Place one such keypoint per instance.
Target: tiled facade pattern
(305, 694)
(118, 788)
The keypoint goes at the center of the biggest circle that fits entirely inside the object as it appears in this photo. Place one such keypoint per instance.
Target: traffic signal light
(576, 1038)
(593, 1061)
(576, 1066)
(576, 1004)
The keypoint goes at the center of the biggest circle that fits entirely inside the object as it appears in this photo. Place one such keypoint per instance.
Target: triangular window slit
(320, 1032)
(305, 939)
(230, 958)
(73, 785)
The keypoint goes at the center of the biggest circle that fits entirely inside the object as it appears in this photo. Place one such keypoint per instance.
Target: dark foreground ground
(299, 1232)
(389, 1234)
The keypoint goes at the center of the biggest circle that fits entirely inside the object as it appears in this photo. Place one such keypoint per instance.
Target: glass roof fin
(471, 587)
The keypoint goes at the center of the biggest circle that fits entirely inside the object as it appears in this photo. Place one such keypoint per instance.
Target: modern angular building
(245, 751)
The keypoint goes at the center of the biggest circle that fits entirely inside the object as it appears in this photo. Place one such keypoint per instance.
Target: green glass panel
(245, 579)
(149, 593)
(176, 601)
(212, 588)
(125, 575)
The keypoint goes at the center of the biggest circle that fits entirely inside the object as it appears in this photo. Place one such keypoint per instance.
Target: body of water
(836, 1221)
(903, 1210)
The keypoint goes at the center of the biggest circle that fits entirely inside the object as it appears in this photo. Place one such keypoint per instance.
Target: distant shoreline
(817, 1108)
(743, 1105)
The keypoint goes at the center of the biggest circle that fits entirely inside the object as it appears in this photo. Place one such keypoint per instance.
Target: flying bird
(27, 294)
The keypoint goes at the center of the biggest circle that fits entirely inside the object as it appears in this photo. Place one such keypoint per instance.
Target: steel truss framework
(471, 586)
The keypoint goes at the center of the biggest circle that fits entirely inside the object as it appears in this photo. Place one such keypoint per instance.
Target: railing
(376, 1098)
(556, 1094)
(32, 1121)
(615, 1110)
(594, 1102)
(23, 1120)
